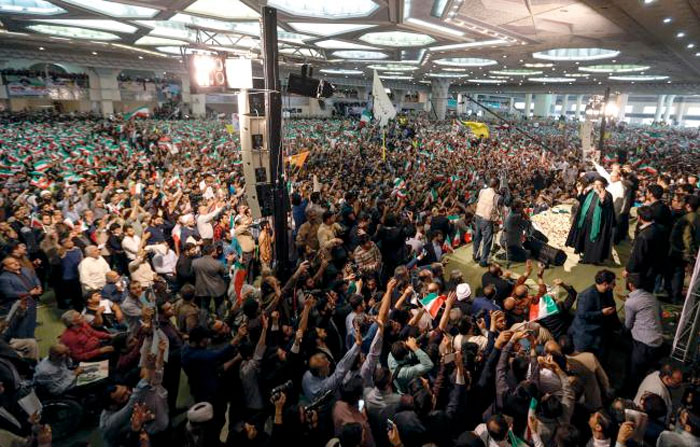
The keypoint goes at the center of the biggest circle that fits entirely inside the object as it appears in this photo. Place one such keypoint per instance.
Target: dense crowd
(141, 231)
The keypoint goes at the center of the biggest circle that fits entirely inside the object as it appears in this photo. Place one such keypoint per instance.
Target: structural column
(104, 88)
(511, 104)
(362, 93)
(186, 97)
(440, 89)
(565, 106)
(528, 104)
(680, 112)
(621, 103)
(669, 108)
(3, 90)
(579, 102)
(199, 105)
(659, 108)
(543, 103)
(399, 96)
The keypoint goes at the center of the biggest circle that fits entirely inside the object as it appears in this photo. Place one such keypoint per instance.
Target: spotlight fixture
(668, 20)
(680, 35)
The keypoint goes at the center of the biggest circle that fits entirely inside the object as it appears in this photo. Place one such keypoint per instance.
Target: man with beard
(592, 229)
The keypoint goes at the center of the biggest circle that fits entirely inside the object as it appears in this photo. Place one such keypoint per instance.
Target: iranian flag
(432, 303)
(433, 195)
(139, 112)
(366, 116)
(238, 276)
(41, 165)
(649, 169)
(546, 307)
(457, 239)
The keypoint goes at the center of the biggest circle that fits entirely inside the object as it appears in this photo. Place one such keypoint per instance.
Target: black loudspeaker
(545, 253)
(310, 87)
(265, 198)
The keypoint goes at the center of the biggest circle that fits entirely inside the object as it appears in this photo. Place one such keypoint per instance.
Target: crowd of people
(141, 231)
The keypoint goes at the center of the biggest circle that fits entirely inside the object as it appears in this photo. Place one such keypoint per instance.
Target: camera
(324, 399)
(277, 391)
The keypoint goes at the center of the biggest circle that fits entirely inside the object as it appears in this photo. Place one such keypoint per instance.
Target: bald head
(58, 351)
(92, 251)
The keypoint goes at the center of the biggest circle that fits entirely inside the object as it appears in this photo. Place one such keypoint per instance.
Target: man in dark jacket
(594, 314)
(684, 242)
(648, 250)
(16, 283)
(209, 278)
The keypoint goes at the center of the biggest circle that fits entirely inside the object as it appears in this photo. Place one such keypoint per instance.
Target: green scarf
(595, 231)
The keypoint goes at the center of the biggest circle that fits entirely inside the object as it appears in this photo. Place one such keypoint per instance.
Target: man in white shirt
(661, 383)
(485, 216)
(689, 436)
(93, 269)
(204, 226)
(615, 187)
(131, 242)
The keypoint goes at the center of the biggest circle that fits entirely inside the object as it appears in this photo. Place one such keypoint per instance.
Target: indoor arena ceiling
(467, 42)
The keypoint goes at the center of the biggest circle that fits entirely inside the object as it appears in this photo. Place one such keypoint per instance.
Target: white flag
(382, 109)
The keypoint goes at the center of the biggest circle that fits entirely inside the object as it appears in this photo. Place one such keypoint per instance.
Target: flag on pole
(432, 303)
(299, 159)
(366, 116)
(544, 308)
(384, 145)
(382, 108)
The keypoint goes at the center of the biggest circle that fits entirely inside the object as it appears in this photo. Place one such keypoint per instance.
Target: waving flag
(481, 130)
(139, 112)
(238, 277)
(432, 303)
(544, 308)
(382, 108)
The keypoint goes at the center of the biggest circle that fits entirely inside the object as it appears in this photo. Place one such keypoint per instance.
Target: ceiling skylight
(459, 46)
(577, 75)
(551, 80)
(252, 28)
(487, 81)
(538, 65)
(397, 77)
(225, 9)
(454, 69)
(303, 52)
(446, 75)
(165, 28)
(340, 71)
(517, 72)
(614, 68)
(326, 9)
(152, 40)
(359, 54)
(287, 36)
(33, 7)
(466, 62)
(71, 32)
(392, 67)
(327, 29)
(115, 9)
(107, 25)
(575, 54)
(638, 78)
(340, 44)
(397, 39)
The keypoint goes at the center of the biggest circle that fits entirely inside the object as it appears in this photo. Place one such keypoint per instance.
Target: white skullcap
(463, 291)
(201, 412)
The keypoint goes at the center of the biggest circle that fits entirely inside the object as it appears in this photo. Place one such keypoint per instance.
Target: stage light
(239, 73)
(203, 67)
(611, 109)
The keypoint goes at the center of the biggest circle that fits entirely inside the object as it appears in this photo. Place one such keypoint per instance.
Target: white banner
(382, 108)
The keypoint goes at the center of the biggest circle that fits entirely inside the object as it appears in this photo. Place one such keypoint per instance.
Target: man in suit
(648, 250)
(17, 282)
(209, 277)
(594, 316)
(661, 213)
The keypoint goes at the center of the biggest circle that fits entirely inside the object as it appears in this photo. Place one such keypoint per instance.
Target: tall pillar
(199, 105)
(186, 97)
(440, 89)
(565, 106)
(542, 105)
(3, 90)
(528, 104)
(579, 111)
(399, 96)
(104, 88)
(362, 93)
(659, 108)
(621, 103)
(669, 108)
(680, 112)
(511, 105)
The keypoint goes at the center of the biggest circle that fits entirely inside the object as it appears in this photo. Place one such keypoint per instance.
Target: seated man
(55, 373)
(103, 314)
(84, 342)
(116, 289)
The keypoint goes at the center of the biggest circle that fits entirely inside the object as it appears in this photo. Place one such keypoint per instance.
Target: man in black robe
(592, 229)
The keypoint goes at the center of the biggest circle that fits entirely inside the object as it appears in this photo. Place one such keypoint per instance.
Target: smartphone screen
(361, 404)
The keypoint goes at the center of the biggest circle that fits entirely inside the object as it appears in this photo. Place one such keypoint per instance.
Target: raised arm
(451, 297)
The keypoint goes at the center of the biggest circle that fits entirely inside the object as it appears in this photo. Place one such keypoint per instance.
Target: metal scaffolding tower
(685, 343)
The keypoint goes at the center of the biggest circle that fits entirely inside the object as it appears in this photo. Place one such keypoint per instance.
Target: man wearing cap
(464, 293)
